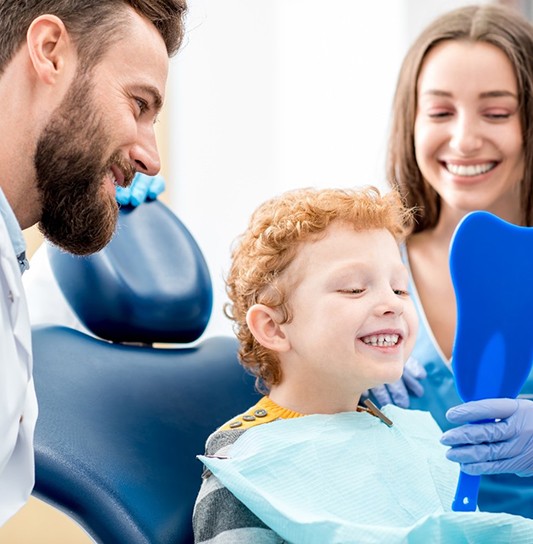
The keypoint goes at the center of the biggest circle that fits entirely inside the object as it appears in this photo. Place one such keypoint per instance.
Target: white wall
(269, 95)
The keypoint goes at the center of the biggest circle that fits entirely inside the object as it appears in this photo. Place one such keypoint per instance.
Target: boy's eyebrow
(350, 267)
(347, 269)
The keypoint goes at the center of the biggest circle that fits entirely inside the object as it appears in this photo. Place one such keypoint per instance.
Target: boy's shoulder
(262, 412)
(258, 414)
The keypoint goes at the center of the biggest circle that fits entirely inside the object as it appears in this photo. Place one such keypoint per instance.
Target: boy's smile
(353, 325)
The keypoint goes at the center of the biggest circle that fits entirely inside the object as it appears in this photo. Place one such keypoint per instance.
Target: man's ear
(263, 323)
(49, 45)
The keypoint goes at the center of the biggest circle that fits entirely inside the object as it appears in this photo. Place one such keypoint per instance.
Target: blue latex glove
(502, 446)
(142, 187)
(398, 392)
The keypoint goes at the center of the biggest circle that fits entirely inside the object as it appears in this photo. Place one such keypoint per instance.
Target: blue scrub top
(498, 493)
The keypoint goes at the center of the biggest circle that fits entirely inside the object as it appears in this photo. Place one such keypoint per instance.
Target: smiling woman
(460, 142)
(468, 133)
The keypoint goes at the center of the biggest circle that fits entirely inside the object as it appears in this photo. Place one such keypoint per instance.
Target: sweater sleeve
(219, 517)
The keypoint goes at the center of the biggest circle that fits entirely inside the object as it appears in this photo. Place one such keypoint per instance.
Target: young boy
(319, 299)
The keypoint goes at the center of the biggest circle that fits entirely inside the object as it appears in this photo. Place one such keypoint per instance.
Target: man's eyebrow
(157, 99)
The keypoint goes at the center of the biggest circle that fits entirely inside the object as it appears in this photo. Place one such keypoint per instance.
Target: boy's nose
(390, 303)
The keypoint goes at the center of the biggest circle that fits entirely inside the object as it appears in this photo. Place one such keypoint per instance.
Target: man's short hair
(93, 24)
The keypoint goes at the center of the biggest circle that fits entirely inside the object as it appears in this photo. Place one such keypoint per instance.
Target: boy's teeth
(381, 340)
(469, 170)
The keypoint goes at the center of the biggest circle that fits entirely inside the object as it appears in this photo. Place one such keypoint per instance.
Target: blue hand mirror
(491, 264)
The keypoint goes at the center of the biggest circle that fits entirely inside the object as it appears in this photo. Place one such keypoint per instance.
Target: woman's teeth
(469, 170)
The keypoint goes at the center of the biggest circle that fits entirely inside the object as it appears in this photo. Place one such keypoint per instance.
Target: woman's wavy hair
(497, 25)
(263, 252)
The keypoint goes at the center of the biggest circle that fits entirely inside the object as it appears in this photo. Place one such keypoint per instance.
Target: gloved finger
(123, 195)
(413, 385)
(139, 189)
(415, 369)
(398, 393)
(469, 454)
(488, 467)
(499, 451)
(381, 395)
(156, 186)
(479, 433)
(482, 409)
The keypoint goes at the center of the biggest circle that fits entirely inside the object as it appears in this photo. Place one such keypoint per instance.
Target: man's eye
(143, 105)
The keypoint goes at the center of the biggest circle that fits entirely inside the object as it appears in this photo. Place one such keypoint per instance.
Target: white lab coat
(18, 405)
(46, 303)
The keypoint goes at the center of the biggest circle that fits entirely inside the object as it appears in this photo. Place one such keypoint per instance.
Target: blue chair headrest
(150, 284)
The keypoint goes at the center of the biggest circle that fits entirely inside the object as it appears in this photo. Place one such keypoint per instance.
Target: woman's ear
(49, 45)
(263, 323)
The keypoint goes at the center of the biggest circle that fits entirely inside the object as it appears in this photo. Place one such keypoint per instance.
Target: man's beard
(78, 212)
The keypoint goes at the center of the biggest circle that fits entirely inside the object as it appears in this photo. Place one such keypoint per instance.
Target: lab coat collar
(15, 233)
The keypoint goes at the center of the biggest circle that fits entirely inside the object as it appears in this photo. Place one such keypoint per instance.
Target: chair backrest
(120, 425)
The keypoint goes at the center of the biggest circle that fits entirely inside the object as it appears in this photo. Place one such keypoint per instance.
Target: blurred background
(266, 96)
(269, 95)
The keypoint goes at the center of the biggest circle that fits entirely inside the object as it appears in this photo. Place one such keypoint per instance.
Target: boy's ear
(263, 324)
(49, 44)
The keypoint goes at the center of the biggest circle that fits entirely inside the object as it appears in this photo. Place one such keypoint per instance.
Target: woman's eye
(439, 114)
(498, 115)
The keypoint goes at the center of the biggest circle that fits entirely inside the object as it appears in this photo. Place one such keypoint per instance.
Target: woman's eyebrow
(498, 94)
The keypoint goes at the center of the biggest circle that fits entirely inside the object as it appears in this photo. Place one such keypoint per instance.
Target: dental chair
(121, 420)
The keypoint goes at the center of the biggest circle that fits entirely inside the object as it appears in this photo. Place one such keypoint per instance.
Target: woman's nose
(465, 138)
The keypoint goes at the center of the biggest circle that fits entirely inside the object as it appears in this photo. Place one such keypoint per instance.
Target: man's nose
(144, 153)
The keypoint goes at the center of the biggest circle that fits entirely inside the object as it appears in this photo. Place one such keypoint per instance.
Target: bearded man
(81, 84)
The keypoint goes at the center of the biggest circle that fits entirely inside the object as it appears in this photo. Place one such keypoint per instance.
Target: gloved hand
(142, 187)
(398, 392)
(505, 445)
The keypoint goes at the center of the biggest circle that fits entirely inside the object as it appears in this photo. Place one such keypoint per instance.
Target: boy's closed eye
(353, 291)
(402, 292)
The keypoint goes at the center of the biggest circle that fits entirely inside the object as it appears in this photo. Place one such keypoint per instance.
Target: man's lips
(118, 175)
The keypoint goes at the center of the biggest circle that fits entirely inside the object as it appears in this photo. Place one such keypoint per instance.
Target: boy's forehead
(343, 244)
